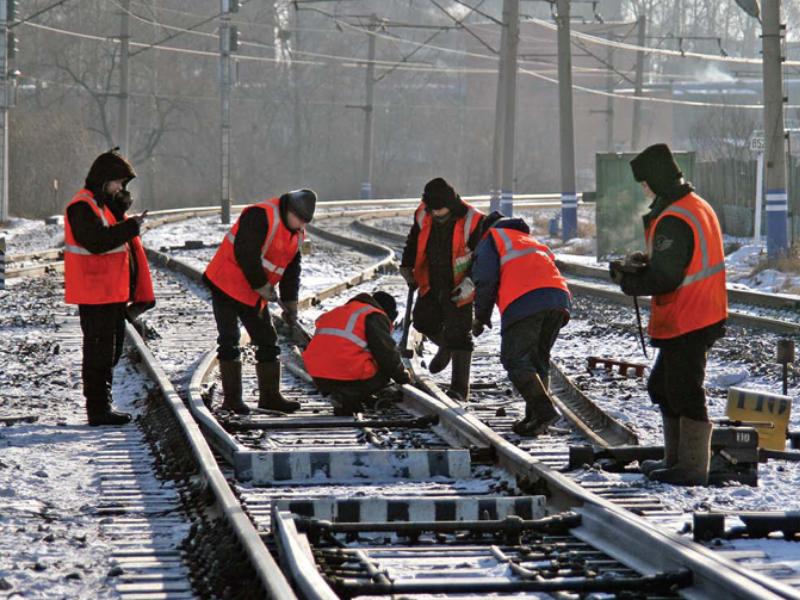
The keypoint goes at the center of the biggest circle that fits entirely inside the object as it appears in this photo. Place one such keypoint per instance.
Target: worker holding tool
(352, 355)
(260, 254)
(684, 272)
(437, 260)
(518, 273)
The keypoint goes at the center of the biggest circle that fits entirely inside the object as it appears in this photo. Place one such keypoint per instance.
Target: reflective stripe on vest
(513, 254)
(274, 223)
(348, 331)
(707, 270)
(73, 249)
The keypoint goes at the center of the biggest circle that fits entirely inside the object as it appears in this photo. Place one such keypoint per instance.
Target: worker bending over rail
(518, 273)
(260, 253)
(684, 272)
(106, 274)
(437, 259)
(352, 354)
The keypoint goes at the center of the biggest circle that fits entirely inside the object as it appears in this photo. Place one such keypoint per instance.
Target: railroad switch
(609, 363)
(734, 456)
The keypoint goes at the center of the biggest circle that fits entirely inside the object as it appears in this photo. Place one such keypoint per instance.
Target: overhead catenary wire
(359, 62)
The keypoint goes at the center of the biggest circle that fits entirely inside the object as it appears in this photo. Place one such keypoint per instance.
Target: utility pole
(775, 155)
(366, 157)
(124, 39)
(299, 172)
(5, 97)
(637, 105)
(499, 122)
(511, 23)
(225, 82)
(610, 98)
(569, 199)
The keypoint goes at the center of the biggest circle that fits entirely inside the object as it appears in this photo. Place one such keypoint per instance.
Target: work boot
(443, 355)
(269, 388)
(459, 376)
(102, 413)
(539, 410)
(344, 406)
(230, 371)
(694, 455)
(672, 434)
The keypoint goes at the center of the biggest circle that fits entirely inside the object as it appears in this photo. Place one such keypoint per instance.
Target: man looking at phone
(106, 274)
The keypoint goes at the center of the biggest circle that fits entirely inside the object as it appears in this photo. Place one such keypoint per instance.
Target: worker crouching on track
(518, 273)
(684, 272)
(352, 354)
(106, 274)
(261, 252)
(438, 259)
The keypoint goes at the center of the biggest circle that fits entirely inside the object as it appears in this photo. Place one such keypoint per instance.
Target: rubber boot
(344, 406)
(97, 384)
(269, 388)
(694, 455)
(539, 410)
(672, 436)
(230, 371)
(443, 355)
(459, 377)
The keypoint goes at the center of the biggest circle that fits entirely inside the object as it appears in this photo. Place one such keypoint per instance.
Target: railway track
(337, 502)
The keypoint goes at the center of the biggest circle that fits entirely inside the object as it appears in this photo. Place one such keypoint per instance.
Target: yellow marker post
(757, 405)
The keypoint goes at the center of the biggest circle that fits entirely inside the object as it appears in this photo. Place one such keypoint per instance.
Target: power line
(661, 51)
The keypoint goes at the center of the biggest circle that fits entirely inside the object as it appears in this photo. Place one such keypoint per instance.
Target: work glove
(478, 326)
(615, 271)
(290, 312)
(267, 292)
(408, 274)
(404, 376)
(463, 291)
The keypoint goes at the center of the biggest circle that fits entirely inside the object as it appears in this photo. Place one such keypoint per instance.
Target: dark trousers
(676, 381)
(228, 312)
(355, 391)
(103, 327)
(526, 344)
(442, 321)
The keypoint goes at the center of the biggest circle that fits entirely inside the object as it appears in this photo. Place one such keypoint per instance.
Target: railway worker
(106, 274)
(261, 253)
(437, 259)
(518, 273)
(352, 354)
(684, 272)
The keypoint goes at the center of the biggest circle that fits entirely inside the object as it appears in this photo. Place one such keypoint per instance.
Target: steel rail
(267, 570)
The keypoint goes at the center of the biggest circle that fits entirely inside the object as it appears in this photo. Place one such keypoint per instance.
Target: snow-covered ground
(27, 235)
(51, 540)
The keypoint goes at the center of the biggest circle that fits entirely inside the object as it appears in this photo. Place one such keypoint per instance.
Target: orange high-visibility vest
(462, 255)
(525, 265)
(701, 300)
(279, 249)
(338, 349)
(103, 278)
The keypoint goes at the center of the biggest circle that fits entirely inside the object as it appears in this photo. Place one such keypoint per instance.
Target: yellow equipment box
(757, 405)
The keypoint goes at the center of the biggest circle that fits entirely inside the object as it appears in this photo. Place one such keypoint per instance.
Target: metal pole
(775, 146)
(610, 99)
(366, 158)
(298, 122)
(759, 196)
(225, 106)
(2, 263)
(637, 106)
(569, 199)
(124, 39)
(4, 104)
(511, 23)
(499, 121)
